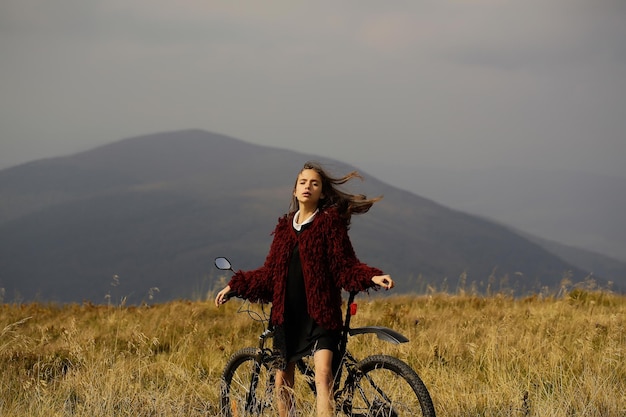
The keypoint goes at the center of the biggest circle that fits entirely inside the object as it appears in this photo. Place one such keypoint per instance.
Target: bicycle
(379, 385)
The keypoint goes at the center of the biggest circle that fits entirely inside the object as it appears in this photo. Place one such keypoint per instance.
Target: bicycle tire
(386, 386)
(247, 386)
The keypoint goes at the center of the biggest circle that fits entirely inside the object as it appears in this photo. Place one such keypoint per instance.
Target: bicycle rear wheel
(247, 386)
(386, 386)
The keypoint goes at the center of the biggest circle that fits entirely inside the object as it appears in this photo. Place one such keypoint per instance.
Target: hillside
(573, 206)
(597, 264)
(145, 216)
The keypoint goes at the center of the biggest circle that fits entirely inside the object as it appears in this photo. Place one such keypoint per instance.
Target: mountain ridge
(154, 210)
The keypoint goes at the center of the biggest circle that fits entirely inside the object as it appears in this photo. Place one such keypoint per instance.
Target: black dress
(302, 335)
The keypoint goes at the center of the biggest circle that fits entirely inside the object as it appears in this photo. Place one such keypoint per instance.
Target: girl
(310, 260)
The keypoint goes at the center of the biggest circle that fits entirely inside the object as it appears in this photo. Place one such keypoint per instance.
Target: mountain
(597, 264)
(143, 218)
(581, 208)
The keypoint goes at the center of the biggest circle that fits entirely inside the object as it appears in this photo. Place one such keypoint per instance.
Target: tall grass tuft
(479, 356)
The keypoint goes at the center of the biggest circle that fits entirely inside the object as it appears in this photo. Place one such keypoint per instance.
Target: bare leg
(323, 360)
(284, 391)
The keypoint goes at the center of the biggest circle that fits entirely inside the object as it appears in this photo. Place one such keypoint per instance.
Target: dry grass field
(479, 356)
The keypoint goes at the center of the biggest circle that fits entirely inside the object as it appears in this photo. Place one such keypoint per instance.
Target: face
(308, 190)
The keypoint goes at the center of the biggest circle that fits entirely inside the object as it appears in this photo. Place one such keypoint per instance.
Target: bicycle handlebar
(230, 294)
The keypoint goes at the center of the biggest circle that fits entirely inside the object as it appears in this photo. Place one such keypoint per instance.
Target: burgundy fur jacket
(329, 264)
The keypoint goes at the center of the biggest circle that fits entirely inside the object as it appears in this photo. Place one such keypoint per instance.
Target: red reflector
(352, 309)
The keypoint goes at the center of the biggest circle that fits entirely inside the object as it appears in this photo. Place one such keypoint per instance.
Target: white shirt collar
(297, 225)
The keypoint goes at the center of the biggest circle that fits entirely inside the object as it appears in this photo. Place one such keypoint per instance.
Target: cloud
(494, 79)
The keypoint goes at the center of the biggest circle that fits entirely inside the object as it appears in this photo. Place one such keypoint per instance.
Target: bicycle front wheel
(386, 386)
(247, 386)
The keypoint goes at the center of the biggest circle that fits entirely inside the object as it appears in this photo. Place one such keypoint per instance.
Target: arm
(384, 281)
(251, 285)
(221, 297)
(255, 285)
(351, 274)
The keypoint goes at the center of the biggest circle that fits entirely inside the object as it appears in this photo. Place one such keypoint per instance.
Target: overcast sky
(442, 83)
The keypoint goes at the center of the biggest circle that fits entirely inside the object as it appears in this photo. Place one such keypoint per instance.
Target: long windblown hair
(347, 204)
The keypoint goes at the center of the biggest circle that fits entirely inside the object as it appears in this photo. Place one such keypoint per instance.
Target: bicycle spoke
(247, 387)
(388, 387)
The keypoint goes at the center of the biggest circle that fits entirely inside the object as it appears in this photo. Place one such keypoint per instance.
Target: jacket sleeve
(350, 273)
(251, 285)
(257, 285)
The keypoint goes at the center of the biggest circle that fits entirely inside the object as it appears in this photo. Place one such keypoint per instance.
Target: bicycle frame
(344, 360)
(356, 371)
